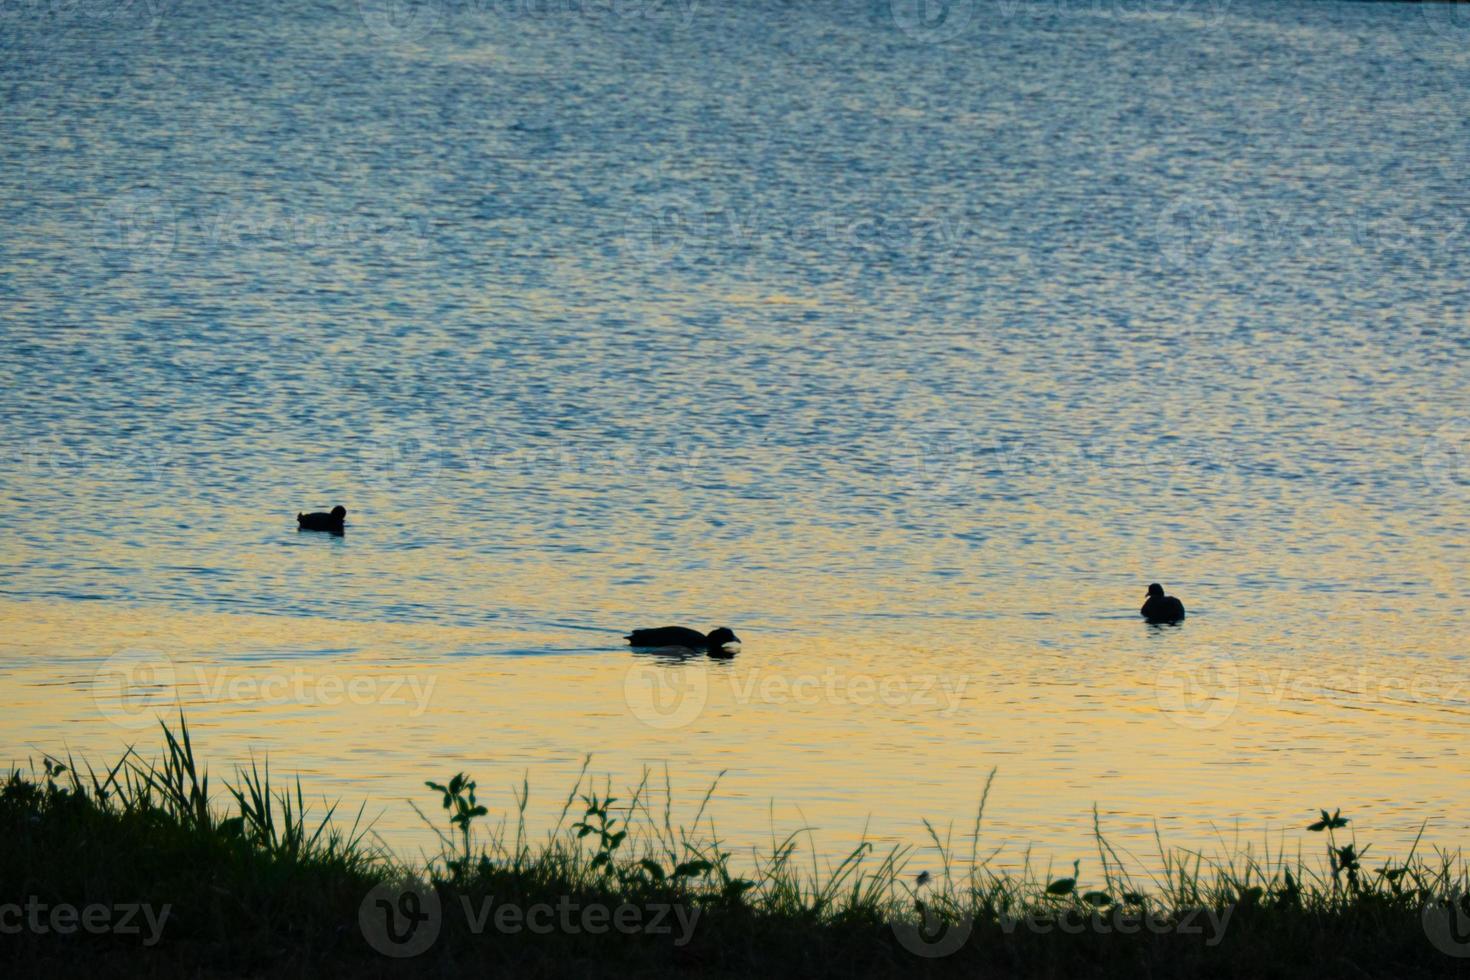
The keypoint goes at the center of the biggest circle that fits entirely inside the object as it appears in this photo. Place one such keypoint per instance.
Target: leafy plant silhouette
(459, 796)
(1343, 858)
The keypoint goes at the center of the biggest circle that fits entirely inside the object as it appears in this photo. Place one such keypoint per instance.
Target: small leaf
(691, 868)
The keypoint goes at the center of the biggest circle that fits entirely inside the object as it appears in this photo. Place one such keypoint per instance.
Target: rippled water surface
(911, 348)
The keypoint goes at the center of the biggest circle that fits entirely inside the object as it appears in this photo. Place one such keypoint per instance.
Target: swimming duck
(721, 642)
(1160, 608)
(331, 523)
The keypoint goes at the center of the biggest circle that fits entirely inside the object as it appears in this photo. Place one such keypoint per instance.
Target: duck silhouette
(720, 642)
(1160, 608)
(332, 522)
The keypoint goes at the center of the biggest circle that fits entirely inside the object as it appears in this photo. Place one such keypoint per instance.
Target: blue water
(826, 320)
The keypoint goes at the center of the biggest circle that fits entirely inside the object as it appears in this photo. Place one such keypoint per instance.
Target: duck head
(339, 512)
(1155, 591)
(723, 640)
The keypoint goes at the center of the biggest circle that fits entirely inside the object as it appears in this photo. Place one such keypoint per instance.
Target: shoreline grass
(251, 882)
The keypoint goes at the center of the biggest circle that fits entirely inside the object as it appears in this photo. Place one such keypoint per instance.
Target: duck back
(319, 522)
(668, 636)
(1163, 609)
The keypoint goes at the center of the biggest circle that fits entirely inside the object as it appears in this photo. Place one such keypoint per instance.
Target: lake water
(910, 346)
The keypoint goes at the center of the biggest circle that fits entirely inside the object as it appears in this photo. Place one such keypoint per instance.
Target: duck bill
(730, 646)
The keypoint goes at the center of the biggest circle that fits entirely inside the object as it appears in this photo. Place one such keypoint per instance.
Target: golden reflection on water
(1187, 727)
(926, 482)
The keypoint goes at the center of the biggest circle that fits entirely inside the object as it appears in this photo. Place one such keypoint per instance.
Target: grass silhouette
(258, 885)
